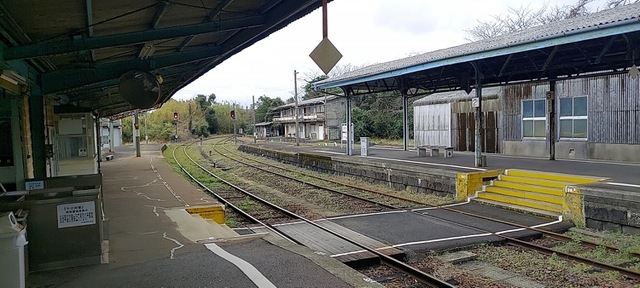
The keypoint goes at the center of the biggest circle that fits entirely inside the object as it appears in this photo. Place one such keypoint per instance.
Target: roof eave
(598, 31)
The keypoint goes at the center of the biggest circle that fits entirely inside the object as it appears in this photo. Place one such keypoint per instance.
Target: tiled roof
(318, 100)
(606, 18)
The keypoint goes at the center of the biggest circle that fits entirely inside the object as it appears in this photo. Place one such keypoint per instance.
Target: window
(534, 118)
(573, 117)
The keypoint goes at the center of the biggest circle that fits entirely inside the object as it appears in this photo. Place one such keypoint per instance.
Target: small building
(598, 117)
(266, 129)
(111, 132)
(319, 118)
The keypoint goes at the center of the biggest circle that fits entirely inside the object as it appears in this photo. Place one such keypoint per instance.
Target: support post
(253, 117)
(36, 117)
(348, 115)
(295, 96)
(136, 132)
(551, 102)
(405, 120)
(146, 136)
(478, 128)
(235, 129)
(98, 129)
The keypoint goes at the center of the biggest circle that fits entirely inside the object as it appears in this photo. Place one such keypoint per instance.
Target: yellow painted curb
(468, 183)
(573, 206)
(213, 212)
(553, 176)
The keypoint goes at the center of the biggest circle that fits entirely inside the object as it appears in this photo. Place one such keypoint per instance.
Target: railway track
(559, 238)
(419, 275)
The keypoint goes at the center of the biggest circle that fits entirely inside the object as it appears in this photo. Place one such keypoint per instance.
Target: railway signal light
(175, 116)
(233, 114)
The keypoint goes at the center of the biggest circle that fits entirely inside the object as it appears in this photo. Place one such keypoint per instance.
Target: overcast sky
(365, 32)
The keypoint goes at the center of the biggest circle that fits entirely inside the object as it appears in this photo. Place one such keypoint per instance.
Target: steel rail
(309, 183)
(339, 182)
(225, 201)
(627, 272)
(410, 270)
(539, 230)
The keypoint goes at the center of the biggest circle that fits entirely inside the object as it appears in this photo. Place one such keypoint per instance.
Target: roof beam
(62, 80)
(278, 17)
(159, 13)
(214, 13)
(75, 45)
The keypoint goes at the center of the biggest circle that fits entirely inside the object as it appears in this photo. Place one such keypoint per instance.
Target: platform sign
(343, 133)
(475, 102)
(325, 55)
(34, 185)
(76, 214)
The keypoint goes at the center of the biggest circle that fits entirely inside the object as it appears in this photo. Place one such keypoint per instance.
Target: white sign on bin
(76, 214)
(34, 185)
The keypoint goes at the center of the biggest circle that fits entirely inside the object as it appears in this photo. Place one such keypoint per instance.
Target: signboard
(343, 133)
(76, 214)
(475, 102)
(34, 185)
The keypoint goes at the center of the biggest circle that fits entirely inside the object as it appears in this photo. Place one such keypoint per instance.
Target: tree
(526, 17)
(264, 106)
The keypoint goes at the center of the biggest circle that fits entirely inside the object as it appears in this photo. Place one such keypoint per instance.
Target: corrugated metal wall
(432, 125)
(613, 105)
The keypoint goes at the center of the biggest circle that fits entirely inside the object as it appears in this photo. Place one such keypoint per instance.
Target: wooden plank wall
(613, 105)
(512, 107)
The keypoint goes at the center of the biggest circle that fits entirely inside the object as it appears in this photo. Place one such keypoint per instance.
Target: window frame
(573, 118)
(523, 119)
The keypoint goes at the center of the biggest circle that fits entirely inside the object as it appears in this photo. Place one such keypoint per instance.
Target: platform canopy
(603, 42)
(79, 49)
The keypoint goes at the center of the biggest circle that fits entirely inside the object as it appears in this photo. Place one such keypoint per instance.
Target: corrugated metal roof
(264, 124)
(606, 18)
(457, 96)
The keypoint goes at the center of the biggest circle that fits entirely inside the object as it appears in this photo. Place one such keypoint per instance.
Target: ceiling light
(146, 51)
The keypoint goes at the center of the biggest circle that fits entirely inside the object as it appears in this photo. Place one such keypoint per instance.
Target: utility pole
(253, 116)
(295, 97)
(146, 136)
(136, 133)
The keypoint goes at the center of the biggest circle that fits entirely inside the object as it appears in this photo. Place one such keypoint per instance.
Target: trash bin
(12, 241)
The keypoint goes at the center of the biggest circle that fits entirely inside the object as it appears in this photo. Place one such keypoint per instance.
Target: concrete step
(514, 202)
(528, 187)
(576, 179)
(529, 210)
(524, 194)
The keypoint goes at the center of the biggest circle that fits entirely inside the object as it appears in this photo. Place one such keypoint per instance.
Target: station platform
(618, 173)
(148, 246)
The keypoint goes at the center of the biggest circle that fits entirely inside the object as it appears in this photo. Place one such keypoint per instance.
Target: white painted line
(534, 226)
(164, 235)
(329, 152)
(254, 275)
(126, 188)
(428, 163)
(165, 183)
(443, 206)
(367, 214)
(453, 238)
(623, 184)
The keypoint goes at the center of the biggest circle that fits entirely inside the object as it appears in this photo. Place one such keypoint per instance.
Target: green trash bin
(12, 242)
